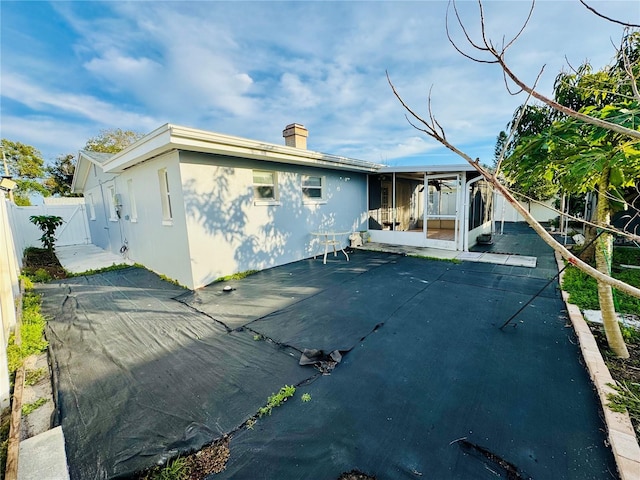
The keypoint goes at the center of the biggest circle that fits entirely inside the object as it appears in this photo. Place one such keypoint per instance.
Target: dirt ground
(40, 258)
(627, 370)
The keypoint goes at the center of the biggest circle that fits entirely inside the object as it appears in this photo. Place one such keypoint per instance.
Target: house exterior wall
(138, 229)
(95, 193)
(151, 239)
(229, 231)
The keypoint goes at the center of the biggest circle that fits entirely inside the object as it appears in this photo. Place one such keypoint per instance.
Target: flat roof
(458, 167)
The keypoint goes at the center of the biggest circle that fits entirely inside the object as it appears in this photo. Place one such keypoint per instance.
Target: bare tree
(486, 52)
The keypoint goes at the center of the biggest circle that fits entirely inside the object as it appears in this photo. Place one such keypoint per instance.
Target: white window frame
(323, 182)
(165, 197)
(113, 214)
(92, 207)
(257, 198)
(133, 214)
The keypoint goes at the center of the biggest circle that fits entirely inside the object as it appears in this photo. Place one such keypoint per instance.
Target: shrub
(48, 225)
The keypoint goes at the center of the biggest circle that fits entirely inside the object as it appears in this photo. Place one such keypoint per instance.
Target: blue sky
(70, 69)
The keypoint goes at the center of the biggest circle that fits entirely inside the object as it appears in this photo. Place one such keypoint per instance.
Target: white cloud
(250, 68)
(50, 135)
(20, 89)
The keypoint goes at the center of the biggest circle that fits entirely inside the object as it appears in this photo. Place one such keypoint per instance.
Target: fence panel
(74, 230)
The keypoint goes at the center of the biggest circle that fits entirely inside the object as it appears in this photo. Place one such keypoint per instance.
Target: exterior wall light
(7, 184)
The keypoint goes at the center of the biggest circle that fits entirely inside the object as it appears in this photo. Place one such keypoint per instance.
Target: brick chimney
(295, 135)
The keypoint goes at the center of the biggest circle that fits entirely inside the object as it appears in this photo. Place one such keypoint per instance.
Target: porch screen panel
(480, 204)
(442, 208)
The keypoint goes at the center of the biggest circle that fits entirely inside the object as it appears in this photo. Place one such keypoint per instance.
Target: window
(265, 187)
(133, 216)
(113, 214)
(165, 197)
(313, 188)
(92, 207)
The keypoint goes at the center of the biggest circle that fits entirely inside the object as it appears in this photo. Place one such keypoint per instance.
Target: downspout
(466, 210)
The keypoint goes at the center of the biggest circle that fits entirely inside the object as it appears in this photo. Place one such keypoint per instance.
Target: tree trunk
(604, 253)
(588, 254)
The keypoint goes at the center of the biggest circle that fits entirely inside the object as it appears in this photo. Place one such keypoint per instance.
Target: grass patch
(436, 259)
(236, 276)
(114, 267)
(583, 290)
(626, 398)
(177, 469)
(31, 333)
(34, 376)
(626, 256)
(277, 399)
(29, 408)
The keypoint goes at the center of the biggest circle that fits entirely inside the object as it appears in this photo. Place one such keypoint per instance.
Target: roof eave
(443, 168)
(172, 137)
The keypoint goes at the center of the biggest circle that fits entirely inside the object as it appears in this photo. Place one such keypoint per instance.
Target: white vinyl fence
(9, 292)
(503, 211)
(74, 230)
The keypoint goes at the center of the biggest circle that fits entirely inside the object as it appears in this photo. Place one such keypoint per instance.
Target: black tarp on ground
(436, 371)
(276, 288)
(432, 375)
(141, 376)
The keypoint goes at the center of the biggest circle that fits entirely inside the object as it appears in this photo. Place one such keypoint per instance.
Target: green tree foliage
(112, 140)
(578, 157)
(26, 166)
(501, 140)
(59, 176)
(531, 178)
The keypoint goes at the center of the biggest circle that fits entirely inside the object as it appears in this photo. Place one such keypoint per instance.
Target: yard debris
(211, 459)
(322, 361)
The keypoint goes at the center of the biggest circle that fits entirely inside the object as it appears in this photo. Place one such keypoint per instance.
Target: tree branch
(539, 229)
(499, 58)
(613, 20)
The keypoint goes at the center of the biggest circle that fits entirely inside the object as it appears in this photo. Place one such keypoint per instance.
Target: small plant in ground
(236, 276)
(630, 334)
(27, 284)
(176, 469)
(29, 408)
(627, 399)
(5, 420)
(251, 423)
(306, 397)
(34, 376)
(40, 276)
(48, 225)
(257, 337)
(277, 399)
(119, 266)
(171, 280)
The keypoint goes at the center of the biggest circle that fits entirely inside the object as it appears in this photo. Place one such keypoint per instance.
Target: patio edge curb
(622, 438)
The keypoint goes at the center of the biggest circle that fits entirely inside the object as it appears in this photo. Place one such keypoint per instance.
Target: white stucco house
(196, 205)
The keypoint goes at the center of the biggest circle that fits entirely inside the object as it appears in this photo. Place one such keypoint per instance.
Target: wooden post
(13, 450)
